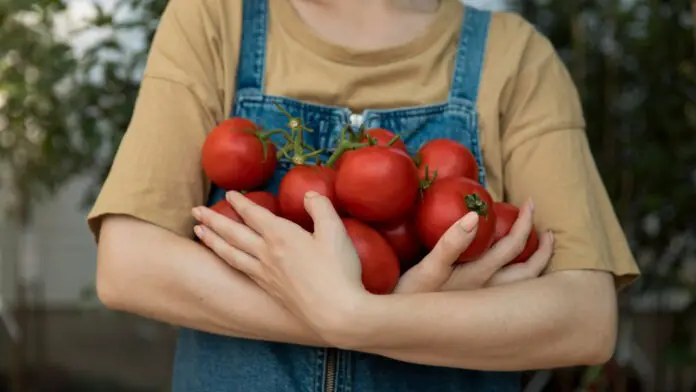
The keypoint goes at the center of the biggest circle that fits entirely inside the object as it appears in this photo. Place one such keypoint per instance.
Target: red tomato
(380, 266)
(403, 238)
(449, 158)
(505, 216)
(233, 156)
(262, 198)
(383, 137)
(377, 184)
(448, 200)
(296, 183)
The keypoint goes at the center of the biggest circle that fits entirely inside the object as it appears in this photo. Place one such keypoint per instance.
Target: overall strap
(252, 51)
(470, 55)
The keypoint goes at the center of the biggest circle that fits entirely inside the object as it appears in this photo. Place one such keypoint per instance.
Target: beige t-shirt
(531, 122)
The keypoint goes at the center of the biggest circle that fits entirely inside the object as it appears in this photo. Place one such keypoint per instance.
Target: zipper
(330, 370)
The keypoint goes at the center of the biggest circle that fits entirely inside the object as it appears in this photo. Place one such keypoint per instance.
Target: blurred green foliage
(635, 65)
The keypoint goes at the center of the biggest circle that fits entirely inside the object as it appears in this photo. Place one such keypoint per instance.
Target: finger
(512, 244)
(423, 278)
(327, 223)
(232, 232)
(236, 258)
(258, 218)
(454, 242)
(536, 264)
(529, 269)
(436, 268)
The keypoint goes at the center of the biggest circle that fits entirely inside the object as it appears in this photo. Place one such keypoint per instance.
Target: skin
(368, 24)
(561, 319)
(172, 279)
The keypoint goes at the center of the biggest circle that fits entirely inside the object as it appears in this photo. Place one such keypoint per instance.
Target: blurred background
(69, 74)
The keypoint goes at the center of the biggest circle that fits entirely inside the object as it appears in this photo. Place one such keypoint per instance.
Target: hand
(438, 272)
(317, 276)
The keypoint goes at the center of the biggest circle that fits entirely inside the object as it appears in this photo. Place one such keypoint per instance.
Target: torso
(212, 363)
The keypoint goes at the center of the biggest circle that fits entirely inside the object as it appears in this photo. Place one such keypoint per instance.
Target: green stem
(301, 152)
(427, 180)
(343, 146)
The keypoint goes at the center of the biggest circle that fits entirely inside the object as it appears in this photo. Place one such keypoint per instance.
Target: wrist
(356, 326)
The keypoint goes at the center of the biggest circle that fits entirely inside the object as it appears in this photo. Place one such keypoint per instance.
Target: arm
(562, 319)
(163, 276)
(146, 265)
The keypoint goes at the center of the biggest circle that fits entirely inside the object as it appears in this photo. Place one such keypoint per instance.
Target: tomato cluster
(394, 206)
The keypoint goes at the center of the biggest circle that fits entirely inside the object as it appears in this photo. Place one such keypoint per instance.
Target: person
(271, 307)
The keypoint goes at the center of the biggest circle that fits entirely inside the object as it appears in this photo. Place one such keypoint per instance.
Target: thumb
(323, 213)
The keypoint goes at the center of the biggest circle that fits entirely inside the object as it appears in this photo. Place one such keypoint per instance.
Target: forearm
(158, 275)
(558, 320)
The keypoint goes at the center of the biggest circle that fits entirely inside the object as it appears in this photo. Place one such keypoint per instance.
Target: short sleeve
(547, 157)
(156, 175)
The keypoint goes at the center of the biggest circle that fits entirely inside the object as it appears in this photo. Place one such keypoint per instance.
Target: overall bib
(211, 363)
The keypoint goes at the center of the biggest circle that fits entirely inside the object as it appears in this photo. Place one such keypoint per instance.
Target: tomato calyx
(476, 204)
(345, 143)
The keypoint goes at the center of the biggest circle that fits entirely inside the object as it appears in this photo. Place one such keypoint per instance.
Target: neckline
(447, 18)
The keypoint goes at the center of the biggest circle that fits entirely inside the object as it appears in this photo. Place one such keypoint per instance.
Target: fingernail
(311, 194)
(196, 212)
(198, 230)
(531, 205)
(229, 195)
(469, 221)
(551, 235)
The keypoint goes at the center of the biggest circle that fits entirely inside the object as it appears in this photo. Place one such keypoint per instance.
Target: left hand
(439, 270)
(317, 276)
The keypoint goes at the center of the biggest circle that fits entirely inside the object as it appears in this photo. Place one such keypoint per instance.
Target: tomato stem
(476, 204)
(343, 146)
(417, 159)
(427, 180)
(295, 143)
(399, 136)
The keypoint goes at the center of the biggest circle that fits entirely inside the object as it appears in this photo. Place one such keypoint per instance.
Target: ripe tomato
(233, 155)
(383, 137)
(262, 198)
(296, 183)
(403, 238)
(377, 184)
(380, 266)
(449, 158)
(505, 216)
(448, 200)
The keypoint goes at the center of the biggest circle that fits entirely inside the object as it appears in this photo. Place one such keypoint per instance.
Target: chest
(417, 125)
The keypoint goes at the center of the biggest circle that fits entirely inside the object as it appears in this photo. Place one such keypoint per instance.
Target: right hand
(438, 271)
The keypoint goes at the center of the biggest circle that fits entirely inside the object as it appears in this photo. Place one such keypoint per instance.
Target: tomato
(403, 238)
(296, 183)
(380, 265)
(383, 137)
(233, 155)
(505, 216)
(377, 184)
(262, 198)
(448, 200)
(449, 158)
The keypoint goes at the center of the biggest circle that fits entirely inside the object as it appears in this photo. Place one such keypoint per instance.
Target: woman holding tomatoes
(274, 307)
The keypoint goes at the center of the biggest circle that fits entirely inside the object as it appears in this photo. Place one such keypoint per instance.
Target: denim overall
(212, 363)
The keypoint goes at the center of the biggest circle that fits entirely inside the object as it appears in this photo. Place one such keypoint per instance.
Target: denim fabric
(211, 363)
